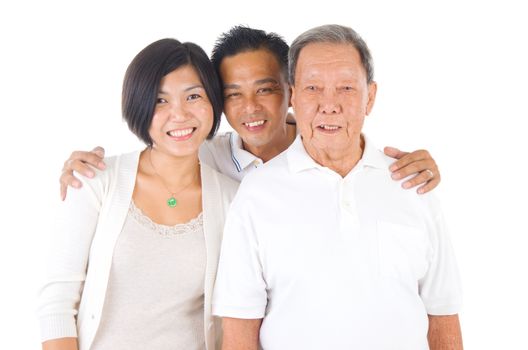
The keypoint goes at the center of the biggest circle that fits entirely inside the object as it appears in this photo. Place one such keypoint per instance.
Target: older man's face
(331, 96)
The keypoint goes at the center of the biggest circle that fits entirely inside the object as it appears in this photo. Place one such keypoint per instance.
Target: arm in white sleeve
(67, 260)
(240, 288)
(440, 288)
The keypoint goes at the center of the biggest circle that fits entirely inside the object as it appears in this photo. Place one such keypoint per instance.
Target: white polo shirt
(226, 154)
(332, 262)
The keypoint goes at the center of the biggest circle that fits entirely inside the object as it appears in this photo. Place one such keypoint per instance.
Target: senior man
(321, 249)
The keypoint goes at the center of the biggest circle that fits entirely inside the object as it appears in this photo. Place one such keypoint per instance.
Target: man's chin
(253, 140)
(329, 142)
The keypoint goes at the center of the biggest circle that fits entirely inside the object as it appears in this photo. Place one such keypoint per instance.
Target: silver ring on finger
(429, 173)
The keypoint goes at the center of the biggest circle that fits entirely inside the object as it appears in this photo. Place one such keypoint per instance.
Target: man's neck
(337, 160)
(273, 149)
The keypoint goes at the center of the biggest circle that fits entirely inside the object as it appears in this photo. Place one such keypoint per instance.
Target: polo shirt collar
(372, 156)
(299, 159)
(240, 157)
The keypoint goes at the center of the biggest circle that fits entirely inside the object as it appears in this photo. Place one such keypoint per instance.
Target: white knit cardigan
(82, 243)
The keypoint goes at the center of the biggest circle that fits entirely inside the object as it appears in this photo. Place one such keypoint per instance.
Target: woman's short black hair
(143, 78)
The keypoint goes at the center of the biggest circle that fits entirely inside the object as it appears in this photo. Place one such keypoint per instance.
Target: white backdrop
(452, 79)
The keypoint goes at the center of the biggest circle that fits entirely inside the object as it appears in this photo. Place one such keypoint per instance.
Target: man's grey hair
(330, 33)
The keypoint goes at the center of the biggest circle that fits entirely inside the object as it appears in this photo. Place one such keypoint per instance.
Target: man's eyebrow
(231, 86)
(265, 81)
(257, 82)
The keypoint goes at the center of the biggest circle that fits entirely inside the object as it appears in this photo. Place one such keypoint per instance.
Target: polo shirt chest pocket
(402, 251)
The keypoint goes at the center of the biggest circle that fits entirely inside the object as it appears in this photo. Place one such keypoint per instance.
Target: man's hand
(80, 162)
(241, 334)
(444, 333)
(419, 163)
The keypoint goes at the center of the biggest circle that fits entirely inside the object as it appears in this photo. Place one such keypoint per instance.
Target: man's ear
(372, 89)
(292, 96)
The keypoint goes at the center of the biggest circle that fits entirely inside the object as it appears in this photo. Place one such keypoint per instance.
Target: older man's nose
(329, 103)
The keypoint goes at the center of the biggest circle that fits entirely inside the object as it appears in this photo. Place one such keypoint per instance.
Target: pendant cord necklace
(171, 202)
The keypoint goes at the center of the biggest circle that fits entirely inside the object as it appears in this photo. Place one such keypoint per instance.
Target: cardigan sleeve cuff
(57, 326)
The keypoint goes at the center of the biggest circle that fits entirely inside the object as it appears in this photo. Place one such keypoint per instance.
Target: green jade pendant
(171, 202)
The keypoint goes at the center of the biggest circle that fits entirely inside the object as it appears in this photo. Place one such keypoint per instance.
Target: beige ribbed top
(155, 296)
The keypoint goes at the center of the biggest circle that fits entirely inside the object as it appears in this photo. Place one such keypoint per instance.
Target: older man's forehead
(328, 58)
(328, 52)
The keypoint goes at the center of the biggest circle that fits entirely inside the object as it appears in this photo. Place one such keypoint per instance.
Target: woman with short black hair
(134, 252)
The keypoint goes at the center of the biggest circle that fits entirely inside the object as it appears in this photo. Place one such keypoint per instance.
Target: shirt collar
(299, 159)
(240, 157)
(373, 157)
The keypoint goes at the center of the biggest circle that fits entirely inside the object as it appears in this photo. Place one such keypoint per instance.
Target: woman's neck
(172, 169)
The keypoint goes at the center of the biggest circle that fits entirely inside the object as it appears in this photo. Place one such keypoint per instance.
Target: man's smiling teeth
(253, 124)
(180, 133)
(329, 127)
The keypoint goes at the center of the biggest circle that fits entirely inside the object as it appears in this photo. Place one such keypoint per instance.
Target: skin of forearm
(444, 333)
(240, 334)
(61, 344)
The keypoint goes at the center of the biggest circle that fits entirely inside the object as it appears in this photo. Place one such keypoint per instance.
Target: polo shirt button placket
(347, 198)
(349, 210)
